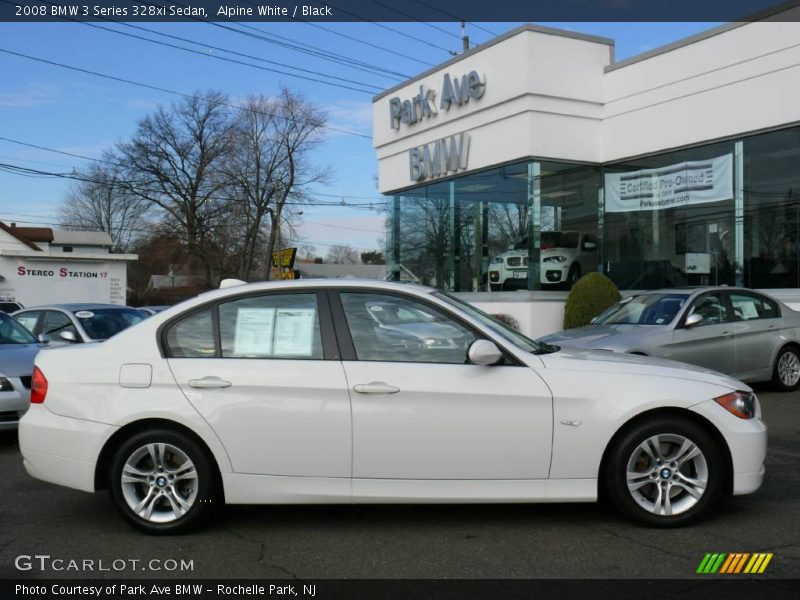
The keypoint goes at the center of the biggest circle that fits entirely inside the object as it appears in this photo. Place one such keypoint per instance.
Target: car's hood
(593, 337)
(16, 360)
(576, 360)
(558, 252)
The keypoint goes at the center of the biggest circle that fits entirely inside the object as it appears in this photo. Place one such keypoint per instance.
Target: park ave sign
(423, 105)
(446, 155)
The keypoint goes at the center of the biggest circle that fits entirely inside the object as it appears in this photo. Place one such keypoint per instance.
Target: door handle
(375, 387)
(209, 383)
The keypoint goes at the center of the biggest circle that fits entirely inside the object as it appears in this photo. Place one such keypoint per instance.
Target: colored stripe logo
(735, 563)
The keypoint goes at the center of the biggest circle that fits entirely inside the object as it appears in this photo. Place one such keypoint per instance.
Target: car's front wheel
(665, 472)
(162, 481)
(786, 375)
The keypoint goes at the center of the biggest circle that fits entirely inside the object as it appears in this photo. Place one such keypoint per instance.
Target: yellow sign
(285, 258)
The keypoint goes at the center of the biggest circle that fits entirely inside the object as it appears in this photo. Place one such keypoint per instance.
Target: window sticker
(84, 314)
(254, 332)
(748, 308)
(294, 332)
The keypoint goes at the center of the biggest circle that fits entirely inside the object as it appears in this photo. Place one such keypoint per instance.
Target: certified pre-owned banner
(673, 186)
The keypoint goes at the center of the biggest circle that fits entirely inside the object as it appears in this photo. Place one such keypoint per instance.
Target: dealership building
(537, 157)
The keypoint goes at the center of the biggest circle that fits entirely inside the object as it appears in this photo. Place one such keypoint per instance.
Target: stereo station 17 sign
(683, 184)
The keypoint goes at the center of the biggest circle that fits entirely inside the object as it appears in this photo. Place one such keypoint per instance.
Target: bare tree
(101, 200)
(342, 255)
(271, 169)
(173, 162)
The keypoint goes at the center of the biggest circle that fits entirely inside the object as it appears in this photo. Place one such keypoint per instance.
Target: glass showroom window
(772, 209)
(669, 219)
(478, 232)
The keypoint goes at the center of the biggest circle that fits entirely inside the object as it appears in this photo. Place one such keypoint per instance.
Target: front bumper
(747, 442)
(61, 450)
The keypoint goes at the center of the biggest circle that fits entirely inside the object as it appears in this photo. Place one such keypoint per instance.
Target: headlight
(497, 260)
(5, 385)
(740, 404)
(555, 259)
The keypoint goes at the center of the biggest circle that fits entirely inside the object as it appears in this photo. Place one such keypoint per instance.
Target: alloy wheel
(159, 482)
(789, 369)
(667, 474)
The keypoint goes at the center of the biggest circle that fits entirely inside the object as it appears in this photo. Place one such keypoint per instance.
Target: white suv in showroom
(565, 257)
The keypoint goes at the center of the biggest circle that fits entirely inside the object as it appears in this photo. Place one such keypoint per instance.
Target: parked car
(743, 333)
(60, 324)
(565, 256)
(282, 392)
(17, 351)
(8, 305)
(151, 310)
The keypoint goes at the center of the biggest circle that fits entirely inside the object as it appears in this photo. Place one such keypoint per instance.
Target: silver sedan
(735, 331)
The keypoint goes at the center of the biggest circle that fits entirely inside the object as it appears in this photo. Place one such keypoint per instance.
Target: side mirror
(694, 320)
(484, 352)
(589, 246)
(68, 336)
(43, 338)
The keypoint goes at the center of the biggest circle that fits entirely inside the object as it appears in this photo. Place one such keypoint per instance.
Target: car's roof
(688, 290)
(76, 306)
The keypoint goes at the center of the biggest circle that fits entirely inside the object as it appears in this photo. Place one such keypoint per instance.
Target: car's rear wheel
(786, 374)
(162, 481)
(665, 472)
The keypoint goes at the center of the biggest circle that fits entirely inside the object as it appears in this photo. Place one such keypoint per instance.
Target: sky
(82, 114)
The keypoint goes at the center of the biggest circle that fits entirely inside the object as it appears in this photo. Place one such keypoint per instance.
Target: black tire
(686, 507)
(201, 495)
(781, 379)
(574, 275)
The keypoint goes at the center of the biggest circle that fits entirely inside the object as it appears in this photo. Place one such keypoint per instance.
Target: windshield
(11, 332)
(102, 323)
(647, 309)
(505, 331)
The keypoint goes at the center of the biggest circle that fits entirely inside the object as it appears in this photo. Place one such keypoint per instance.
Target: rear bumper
(13, 404)
(61, 450)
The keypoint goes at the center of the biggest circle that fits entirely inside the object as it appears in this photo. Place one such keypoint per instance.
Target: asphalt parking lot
(478, 541)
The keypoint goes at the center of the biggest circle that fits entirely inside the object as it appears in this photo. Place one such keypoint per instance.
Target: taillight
(38, 386)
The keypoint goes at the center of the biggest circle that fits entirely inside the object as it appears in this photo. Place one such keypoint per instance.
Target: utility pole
(464, 41)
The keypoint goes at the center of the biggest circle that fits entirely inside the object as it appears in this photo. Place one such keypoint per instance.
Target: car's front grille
(26, 381)
(513, 261)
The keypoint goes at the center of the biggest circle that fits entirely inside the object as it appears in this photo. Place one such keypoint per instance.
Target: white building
(682, 163)
(39, 265)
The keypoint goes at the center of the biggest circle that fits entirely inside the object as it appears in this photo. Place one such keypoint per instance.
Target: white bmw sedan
(279, 393)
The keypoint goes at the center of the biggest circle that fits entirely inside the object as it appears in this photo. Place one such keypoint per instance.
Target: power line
(366, 43)
(315, 51)
(289, 43)
(118, 164)
(160, 89)
(456, 17)
(383, 26)
(238, 62)
(127, 185)
(413, 18)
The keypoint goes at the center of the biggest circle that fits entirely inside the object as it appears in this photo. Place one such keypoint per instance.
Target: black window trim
(726, 303)
(330, 349)
(346, 341)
